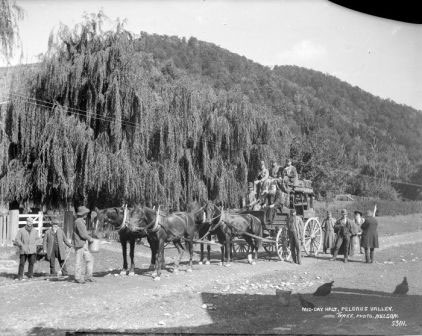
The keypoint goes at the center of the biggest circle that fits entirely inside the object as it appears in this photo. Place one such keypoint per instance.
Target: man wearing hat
(295, 226)
(54, 246)
(81, 239)
(289, 173)
(263, 175)
(26, 240)
(369, 236)
(344, 230)
(275, 170)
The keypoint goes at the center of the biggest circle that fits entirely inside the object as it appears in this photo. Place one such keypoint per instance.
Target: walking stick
(65, 259)
(57, 277)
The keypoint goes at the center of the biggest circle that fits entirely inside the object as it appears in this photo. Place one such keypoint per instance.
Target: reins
(211, 228)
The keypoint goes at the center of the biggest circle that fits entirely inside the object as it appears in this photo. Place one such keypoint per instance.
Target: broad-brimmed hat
(343, 211)
(82, 210)
(30, 220)
(55, 221)
(292, 210)
(358, 212)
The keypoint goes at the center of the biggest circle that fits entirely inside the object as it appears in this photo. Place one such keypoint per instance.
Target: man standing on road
(369, 236)
(328, 229)
(54, 245)
(344, 230)
(295, 236)
(26, 240)
(80, 243)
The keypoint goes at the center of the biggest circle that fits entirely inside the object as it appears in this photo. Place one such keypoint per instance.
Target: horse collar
(156, 229)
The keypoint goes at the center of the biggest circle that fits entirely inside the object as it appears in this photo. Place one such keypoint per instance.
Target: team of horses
(196, 225)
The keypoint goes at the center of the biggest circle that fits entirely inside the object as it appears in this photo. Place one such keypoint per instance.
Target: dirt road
(237, 299)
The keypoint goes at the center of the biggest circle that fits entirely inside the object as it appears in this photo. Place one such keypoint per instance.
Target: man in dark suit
(54, 246)
(344, 230)
(295, 226)
(369, 236)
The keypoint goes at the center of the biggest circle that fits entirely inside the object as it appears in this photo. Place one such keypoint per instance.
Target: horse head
(213, 213)
(198, 212)
(141, 218)
(103, 218)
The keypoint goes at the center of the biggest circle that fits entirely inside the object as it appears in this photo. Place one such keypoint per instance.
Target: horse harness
(160, 218)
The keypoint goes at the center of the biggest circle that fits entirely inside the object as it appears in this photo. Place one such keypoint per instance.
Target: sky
(379, 55)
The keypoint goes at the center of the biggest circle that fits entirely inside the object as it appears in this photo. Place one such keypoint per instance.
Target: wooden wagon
(301, 198)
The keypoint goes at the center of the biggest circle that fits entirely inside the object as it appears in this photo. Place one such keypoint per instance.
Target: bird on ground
(402, 288)
(304, 303)
(324, 289)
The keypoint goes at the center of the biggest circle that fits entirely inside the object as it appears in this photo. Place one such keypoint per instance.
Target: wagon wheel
(269, 248)
(240, 248)
(312, 236)
(282, 244)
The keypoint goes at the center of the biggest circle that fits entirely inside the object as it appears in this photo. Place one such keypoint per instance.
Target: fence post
(3, 230)
(68, 223)
(13, 225)
(40, 223)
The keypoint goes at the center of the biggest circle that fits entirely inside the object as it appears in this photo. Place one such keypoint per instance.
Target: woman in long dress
(355, 241)
(328, 229)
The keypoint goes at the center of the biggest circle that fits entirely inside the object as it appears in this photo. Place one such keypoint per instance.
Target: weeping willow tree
(126, 128)
(10, 14)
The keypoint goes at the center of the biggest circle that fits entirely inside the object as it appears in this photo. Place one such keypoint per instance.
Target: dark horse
(171, 228)
(113, 217)
(226, 227)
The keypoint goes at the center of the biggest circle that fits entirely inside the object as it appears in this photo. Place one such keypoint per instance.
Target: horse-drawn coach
(301, 198)
(238, 230)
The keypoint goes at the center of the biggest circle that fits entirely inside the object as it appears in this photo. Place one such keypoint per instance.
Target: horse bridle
(155, 225)
(211, 228)
(123, 225)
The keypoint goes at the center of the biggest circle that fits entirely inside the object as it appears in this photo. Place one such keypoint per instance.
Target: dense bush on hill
(165, 120)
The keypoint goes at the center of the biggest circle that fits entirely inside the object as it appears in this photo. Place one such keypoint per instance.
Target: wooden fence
(11, 222)
(9, 225)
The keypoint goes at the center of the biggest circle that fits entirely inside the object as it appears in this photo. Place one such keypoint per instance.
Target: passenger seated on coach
(275, 170)
(258, 201)
(262, 177)
(274, 201)
(289, 174)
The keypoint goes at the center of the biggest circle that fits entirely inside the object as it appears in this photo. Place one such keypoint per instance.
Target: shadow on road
(373, 311)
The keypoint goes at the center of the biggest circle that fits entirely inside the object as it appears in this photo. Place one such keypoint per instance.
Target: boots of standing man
(32, 259)
(367, 255)
(372, 255)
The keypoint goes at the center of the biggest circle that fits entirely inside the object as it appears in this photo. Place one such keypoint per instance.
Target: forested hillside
(107, 117)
